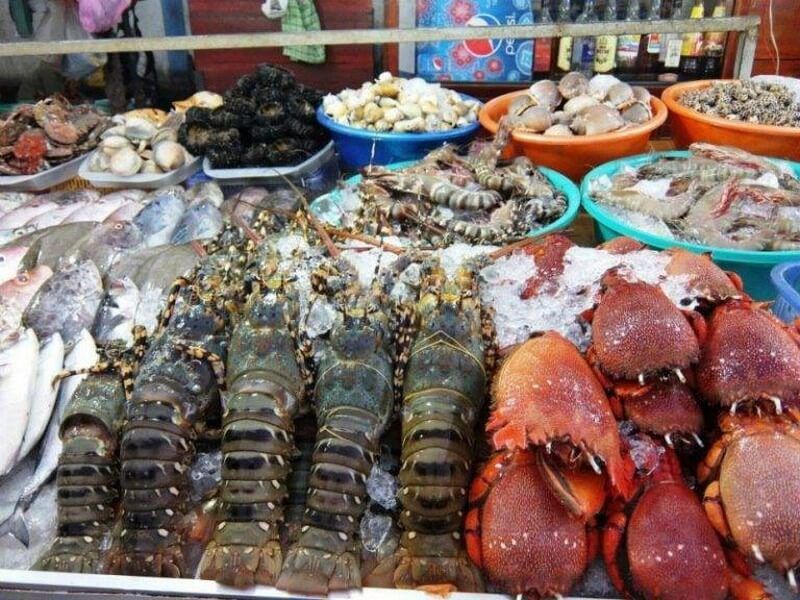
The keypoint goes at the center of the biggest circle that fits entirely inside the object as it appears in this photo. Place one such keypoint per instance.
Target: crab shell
(753, 476)
(705, 278)
(671, 548)
(518, 532)
(548, 255)
(638, 331)
(749, 356)
(546, 392)
(621, 245)
(664, 408)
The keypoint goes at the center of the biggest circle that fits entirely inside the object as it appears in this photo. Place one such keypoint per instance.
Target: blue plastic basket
(753, 266)
(558, 181)
(360, 147)
(786, 279)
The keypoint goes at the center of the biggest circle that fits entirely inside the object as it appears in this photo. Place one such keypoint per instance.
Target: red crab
(546, 393)
(638, 333)
(662, 545)
(705, 279)
(621, 245)
(30, 149)
(548, 255)
(753, 485)
(526, 536)
(750, 358)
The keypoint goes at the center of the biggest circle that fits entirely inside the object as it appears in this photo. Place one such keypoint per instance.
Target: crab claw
(546, 391)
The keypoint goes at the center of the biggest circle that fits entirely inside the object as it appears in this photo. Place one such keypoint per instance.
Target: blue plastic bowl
(559, 181)
(753, 266)
(786, 279)
(360, 147)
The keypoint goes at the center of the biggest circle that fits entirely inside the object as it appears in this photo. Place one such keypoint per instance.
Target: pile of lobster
(586, 447)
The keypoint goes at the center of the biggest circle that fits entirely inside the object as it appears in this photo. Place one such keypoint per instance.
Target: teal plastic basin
(558, 181)
(752, 266)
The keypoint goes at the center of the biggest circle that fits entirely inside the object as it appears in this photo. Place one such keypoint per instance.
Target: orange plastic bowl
(689, 126)
(573, 156)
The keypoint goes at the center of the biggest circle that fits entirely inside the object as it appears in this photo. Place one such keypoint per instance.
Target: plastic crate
(786, 279)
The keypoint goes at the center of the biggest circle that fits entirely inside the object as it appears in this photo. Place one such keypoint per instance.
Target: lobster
(444, 387)
(353, 396)
(266, 380)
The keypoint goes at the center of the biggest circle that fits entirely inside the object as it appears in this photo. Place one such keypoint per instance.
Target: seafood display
(448, 196)
(35, 137)
(579, 106)
(398, 105)
(718, 196)
(763, 103)
(267, 119)
(136, 144)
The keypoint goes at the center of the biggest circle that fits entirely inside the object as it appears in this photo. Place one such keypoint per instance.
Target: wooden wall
(786, 25)
(345, 65)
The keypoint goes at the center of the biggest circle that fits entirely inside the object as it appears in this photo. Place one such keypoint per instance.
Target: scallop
(575, 105)
(125, 162)
(168, 155)
(596, 120)
(545, 93)
(559, 130)
(573, 84)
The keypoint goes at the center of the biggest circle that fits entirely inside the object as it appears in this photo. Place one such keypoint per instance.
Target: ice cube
(320, 318)
(382, 487)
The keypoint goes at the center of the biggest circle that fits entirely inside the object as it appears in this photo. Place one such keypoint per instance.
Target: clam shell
(139, 129)
(169, 156)
(115, 143)
(535, 119)
(99, 162)
(201, 99)
(600, 84)
(165, 134)
(619, 94)
(115, 131)
(573, 84)
(559, 129)
(575, 105)
(156, 116)
(149, 166)
(125, 162)
(546, 94)
(596, 120)
(637, 113)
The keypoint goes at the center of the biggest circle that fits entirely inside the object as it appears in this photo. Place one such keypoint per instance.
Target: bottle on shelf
(714, 45)
(605, 51)
(670, 51)
(628, 44)
(692, 45)
(583, 47)
(564, 55)
(650, 47)
(543, 47)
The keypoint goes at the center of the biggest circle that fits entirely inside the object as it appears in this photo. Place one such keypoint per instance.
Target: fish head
(24, 286)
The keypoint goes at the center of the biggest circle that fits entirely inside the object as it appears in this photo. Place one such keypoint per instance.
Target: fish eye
(117, 225)
(23, 279)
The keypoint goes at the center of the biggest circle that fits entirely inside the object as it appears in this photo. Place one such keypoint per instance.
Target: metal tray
(44, 180)
(146, 181)
(40, 585)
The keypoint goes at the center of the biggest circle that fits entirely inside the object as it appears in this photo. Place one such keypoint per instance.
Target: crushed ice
(382, 487)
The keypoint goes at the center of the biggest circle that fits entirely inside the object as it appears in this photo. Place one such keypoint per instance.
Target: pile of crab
(36, 137)
(671, 445)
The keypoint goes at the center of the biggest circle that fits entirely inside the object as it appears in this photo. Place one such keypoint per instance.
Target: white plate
(263, 174)
(146, 181)
(44, 180)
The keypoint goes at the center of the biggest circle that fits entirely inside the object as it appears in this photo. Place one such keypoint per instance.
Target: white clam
(168, 155)
(150, 167)
(139, 129)
(415, 124)
(125, 162)
(116, 130)
(99, 162)
(575, 105)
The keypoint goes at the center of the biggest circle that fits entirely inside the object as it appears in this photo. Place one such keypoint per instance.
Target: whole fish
(51, 359)
(105, 244)
(63, 197)
(67, 303)
(82, 355)
(7, 236)
(201, 221)
(159, 218)
(22, 214)
(115, 318)
(206, 191)
(10, 260)
(98, 210)
(11, 200)
(15, 296)
(126, 212)
(17, 382)
(56, 216)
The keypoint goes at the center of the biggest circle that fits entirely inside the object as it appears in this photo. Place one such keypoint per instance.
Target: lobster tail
(87, 476)
(324, 558)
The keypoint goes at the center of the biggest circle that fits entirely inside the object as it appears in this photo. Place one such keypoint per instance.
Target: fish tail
(16, 526)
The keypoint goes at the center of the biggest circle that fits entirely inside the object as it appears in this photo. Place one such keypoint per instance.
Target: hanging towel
(301, 15)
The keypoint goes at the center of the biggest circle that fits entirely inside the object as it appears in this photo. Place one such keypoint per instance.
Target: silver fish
(9, 236)
(116, 316)
(49, 245)
(56, 216)
(15, 296)
(51, 359)
(83, 354)
(67, 303)
(206, 191)
(22, 214)
(17, 383)
(159, 218)
(201, 221)
(11, 200)
(98, 210)
(10, 260)
(105, 244)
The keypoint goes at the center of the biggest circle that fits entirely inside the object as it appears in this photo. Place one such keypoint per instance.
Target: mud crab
(546, 394)
(529, 531)
(750, 358)
(662, 545)
(642, 347)
(752, 487)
